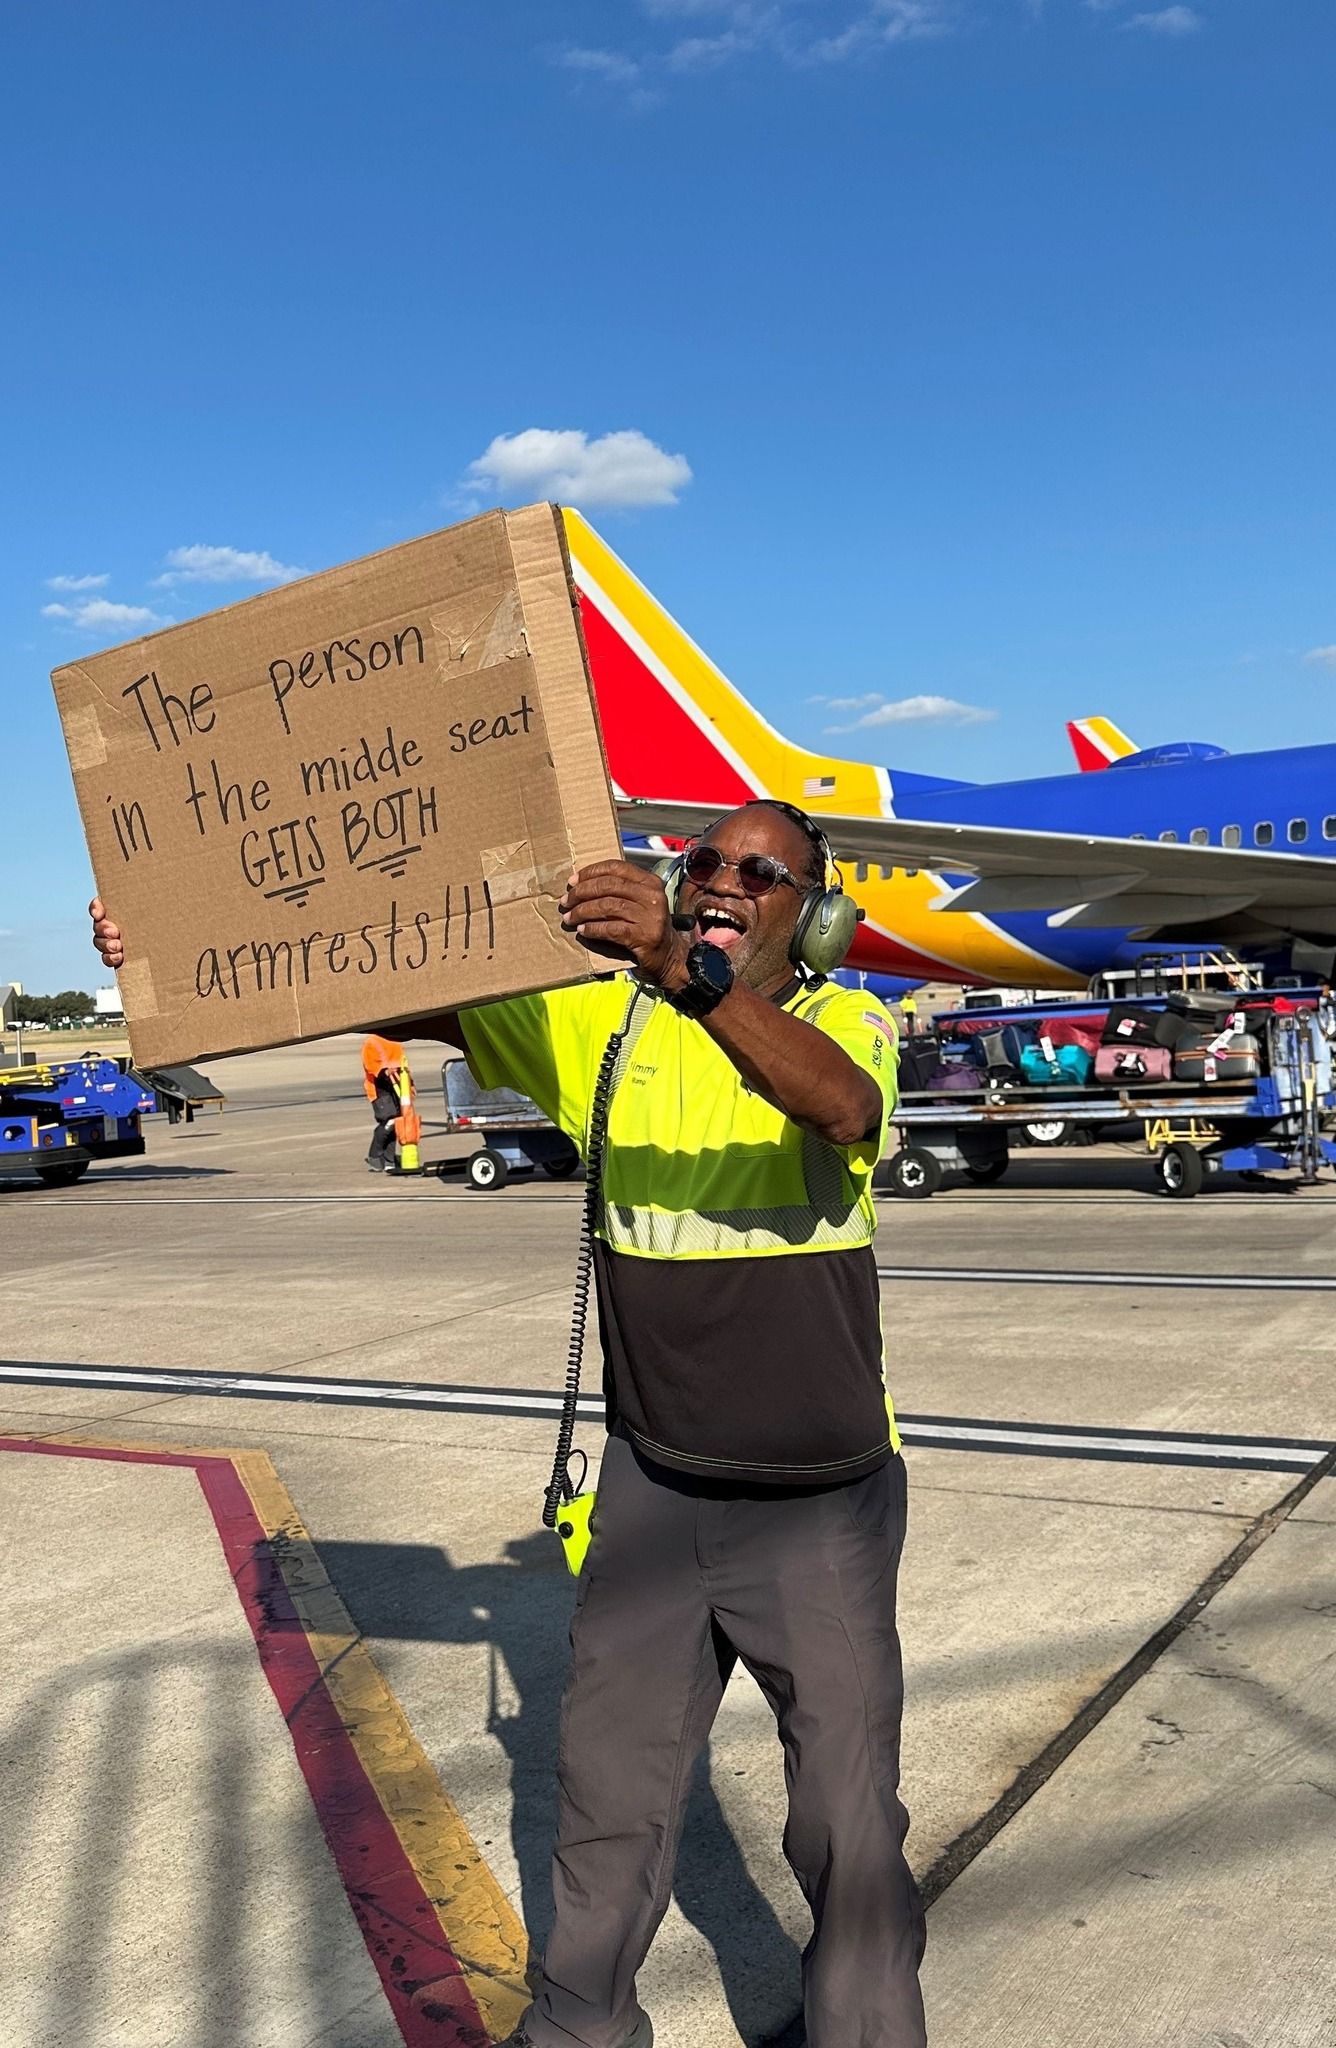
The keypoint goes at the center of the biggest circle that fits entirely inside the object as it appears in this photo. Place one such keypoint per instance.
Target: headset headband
(811, 831)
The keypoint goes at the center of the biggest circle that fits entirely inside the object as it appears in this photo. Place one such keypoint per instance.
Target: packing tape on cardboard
(496, 637)
(509, 871)
(83, 738)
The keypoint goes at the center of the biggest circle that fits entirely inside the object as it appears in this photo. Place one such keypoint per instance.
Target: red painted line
(422, 1979)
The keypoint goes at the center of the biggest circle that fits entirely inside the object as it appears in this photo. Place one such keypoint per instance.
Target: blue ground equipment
(56, 1119)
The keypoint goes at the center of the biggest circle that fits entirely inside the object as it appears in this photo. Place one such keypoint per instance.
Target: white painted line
(935, 1432)
(1022, 1277)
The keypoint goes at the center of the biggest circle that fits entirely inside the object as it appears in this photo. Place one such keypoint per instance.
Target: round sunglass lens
(702, 864)
(757, 875)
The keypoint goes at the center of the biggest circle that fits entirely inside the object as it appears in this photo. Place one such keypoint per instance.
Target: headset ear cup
(669, 873)
(824, 931)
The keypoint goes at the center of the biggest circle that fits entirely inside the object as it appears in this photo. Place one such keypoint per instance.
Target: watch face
(711, 965)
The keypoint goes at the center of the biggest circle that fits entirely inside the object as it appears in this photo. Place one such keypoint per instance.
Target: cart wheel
(563, 1166)
(1179, 1170)
(914, 1174)
(1048, 1131)
(487, 1169)
(62, 1173)
(989, 1170)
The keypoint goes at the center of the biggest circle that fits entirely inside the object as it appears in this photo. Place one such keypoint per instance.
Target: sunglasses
(757, 872)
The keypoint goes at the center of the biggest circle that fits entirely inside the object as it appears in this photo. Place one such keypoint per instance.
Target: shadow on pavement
(521, 1609)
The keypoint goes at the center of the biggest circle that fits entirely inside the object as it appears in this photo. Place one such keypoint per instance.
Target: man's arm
(615, 907)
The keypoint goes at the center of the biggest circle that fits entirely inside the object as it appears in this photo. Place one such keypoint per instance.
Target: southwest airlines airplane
(1036, 883)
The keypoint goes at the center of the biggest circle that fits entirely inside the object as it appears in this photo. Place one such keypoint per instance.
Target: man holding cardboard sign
(751, 1500)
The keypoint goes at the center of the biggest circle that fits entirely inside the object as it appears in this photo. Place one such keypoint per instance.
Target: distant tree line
(71, 1006)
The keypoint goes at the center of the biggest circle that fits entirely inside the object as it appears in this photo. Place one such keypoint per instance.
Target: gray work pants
(683, 1578)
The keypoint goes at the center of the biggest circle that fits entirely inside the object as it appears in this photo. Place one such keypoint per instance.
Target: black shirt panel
(763, 1370)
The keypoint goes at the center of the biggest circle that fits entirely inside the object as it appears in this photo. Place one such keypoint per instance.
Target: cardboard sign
(351, 800)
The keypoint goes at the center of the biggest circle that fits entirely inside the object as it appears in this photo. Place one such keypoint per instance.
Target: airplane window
(1200, 836)
(886, 874)
(910, 874)
(1136, 835)
(1233, 835)
(1329, 828)
(1298, 831)
(1264, 833)
(1169, 835)
(860, 871)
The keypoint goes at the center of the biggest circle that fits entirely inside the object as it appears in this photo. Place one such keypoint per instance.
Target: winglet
(1096, 742)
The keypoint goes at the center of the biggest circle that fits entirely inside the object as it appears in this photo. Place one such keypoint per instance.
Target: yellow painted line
(478, 1921)
(480, 1926)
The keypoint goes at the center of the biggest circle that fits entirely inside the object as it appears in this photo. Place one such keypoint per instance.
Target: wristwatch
(710, 977)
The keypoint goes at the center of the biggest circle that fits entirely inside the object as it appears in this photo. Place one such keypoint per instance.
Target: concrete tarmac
(1125, 1821)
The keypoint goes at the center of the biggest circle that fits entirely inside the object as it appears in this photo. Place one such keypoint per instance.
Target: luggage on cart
(918, 1058)
(1202, 1006)
(1130, 1065)
(1067, 1031)
(947, 1075)
(1002, 1053)
(1068, 1065)
(1210, 1059)
(1134, 1024)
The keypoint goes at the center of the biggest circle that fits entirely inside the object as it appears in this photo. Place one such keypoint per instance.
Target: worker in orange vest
(381, 1060)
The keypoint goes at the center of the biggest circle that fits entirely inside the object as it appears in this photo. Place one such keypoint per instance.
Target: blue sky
(976, 350)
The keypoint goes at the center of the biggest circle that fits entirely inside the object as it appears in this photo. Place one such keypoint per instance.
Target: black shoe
(375, 1166)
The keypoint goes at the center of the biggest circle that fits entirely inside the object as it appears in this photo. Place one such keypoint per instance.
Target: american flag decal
(818, 785)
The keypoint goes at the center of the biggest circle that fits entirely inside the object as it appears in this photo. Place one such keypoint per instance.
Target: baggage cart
(515, 1135)
(1271, 1124)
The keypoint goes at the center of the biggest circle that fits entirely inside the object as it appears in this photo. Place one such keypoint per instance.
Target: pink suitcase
(1134, 1065)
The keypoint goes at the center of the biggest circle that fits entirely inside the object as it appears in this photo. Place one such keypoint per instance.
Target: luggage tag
(1220, 1043)
(1208, 1068)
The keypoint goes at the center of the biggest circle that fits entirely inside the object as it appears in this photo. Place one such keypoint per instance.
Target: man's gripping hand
(621, 911)
(106, 935)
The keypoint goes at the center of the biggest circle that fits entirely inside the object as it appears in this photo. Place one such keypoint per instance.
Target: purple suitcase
(1134, 1065)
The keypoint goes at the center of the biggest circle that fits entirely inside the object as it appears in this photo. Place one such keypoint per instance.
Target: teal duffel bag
(1069, 1066)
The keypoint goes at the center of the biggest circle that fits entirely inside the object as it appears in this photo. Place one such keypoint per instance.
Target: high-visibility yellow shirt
(725, 1232)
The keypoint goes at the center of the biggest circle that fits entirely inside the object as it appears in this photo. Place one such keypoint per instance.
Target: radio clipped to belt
(568, 1511)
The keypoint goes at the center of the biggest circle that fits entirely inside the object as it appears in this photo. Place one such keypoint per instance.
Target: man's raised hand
(622, 912)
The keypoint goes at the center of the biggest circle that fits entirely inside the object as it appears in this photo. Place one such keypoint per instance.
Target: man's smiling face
(756, 932)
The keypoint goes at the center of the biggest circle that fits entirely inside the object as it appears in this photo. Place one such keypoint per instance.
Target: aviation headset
(827, 918)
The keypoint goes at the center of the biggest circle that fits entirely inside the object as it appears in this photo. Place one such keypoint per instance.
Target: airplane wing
(1080, 879)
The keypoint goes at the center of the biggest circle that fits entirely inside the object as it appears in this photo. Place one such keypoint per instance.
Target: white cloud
(726, 30)
(624, 468)
(912, 711)
(849, 703)
(884, 22)
(92, 613)
(1167, 21)
(612, 65)
(703, 53)
(1325, 657)
(224, 565)
(77, 582)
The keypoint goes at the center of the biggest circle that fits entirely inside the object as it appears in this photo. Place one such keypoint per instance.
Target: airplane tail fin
(1096, 742)
(673, 723)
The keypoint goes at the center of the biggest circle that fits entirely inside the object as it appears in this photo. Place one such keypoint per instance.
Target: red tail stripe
(654, 746)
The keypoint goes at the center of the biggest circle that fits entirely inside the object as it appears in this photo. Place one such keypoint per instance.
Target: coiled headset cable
(559, 1486)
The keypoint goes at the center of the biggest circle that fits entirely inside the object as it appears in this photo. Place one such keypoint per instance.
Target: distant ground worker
(382, 1059)
(751, 1501)
(909, 1011)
